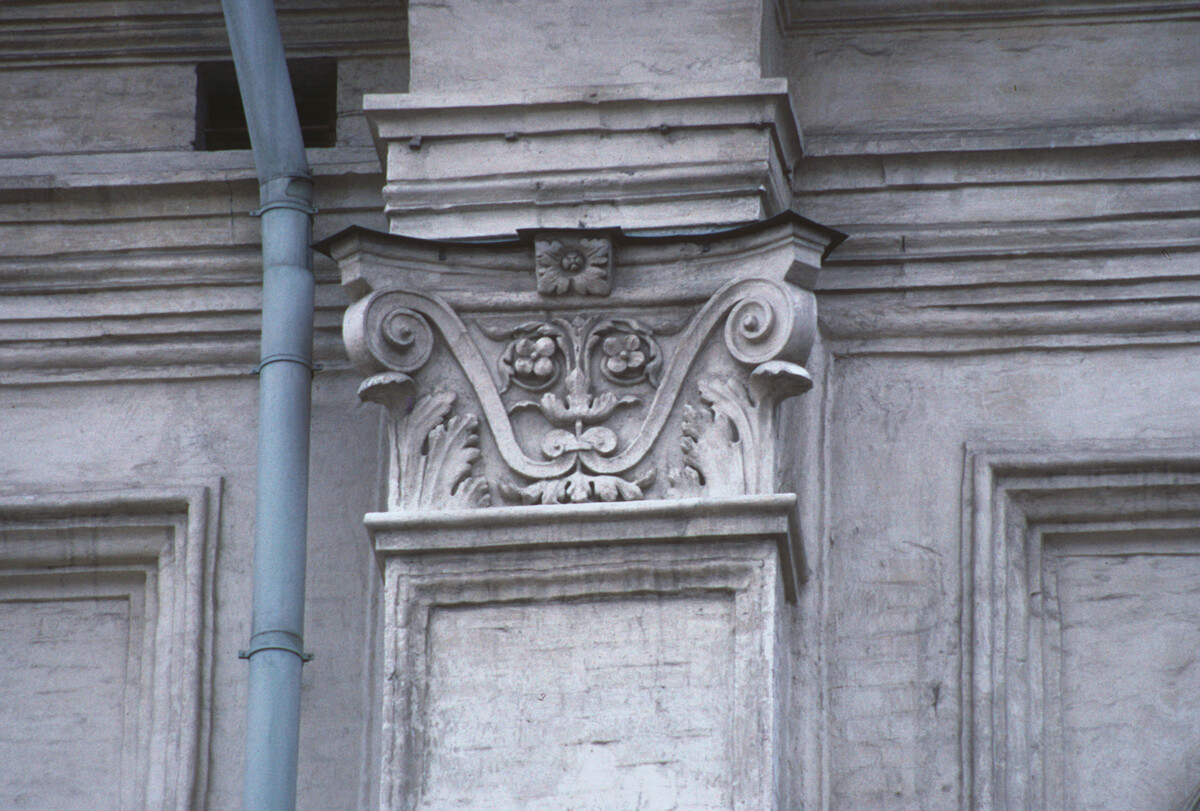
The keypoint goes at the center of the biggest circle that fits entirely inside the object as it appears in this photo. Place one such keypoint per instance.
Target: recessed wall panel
(608, 704)
(63, 673)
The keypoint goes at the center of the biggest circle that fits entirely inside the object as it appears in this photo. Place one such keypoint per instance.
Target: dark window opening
(221, 122)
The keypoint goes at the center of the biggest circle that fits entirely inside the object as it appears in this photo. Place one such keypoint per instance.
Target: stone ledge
(701, 520)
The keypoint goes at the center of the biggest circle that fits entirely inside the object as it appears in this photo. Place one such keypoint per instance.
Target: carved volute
(582, 366)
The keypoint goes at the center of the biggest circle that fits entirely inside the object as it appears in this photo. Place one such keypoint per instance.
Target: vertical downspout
(276, 650)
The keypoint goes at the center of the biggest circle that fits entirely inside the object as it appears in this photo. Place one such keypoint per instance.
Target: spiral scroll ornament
(398, 337)
(770, 322)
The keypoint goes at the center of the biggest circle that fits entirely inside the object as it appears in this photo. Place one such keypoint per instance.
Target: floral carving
(581, 266)
(623, 355)
(572, 414)
(533, 360)
(536, 353)
(434, 454)
(720, 443)
(631, 355)
(569, 438)
(578, 488)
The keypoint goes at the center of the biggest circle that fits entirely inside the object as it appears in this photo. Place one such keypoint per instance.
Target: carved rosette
(557, 386)
(564, 265)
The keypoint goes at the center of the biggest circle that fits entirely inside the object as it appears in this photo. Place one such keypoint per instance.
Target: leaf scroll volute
(767, 325)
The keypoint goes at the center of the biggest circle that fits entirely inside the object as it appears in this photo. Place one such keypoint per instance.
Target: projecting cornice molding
(801, 17)
(483, 163)
(106, 33)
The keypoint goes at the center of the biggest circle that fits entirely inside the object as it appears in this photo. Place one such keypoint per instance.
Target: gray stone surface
(637, 718)
(674, 701)
(646, 470)
(665, 156)
(1019, 182)
(476, 44)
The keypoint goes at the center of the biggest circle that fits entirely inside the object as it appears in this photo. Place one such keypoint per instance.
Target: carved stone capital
(582, 366)
(583, 444)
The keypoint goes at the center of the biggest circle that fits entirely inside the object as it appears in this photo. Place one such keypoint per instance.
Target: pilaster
(587, 547)
(583, 481)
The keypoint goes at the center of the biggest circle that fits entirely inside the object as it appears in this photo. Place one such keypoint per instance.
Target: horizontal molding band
(179, 32)
(59, 172)
(971, 346)
(807, 17)
(848, 141)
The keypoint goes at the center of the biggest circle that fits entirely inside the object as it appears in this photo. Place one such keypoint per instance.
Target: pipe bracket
(295, 205)
(284, 356)
(275, 640)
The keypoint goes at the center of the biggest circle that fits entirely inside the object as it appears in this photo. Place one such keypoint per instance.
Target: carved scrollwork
(585, 368)
(574, 379)
(397, 337)
(408, 335)
(770, 322)
(786, 337)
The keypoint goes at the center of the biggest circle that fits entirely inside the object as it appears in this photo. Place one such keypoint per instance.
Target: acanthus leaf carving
(720, 445)
(434, 453)
(579, 487)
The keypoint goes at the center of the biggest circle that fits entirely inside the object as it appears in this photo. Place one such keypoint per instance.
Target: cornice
(822, 143)
(457, 163)
(818, 17)
(163, 167)
(1004, 250)
(525, 237)
(94, 34)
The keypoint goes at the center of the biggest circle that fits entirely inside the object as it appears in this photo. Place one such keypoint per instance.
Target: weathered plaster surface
(483, 45)
(1019, 180)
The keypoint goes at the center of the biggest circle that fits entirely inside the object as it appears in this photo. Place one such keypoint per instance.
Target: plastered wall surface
(181, 431)
(1002, 390)
(130, 328)
(895, 686)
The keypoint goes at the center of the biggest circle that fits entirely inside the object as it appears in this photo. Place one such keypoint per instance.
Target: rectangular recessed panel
(63, 673)
(1130, 679)
(587, 705)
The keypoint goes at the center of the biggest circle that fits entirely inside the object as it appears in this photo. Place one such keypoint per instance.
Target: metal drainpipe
(276, 650)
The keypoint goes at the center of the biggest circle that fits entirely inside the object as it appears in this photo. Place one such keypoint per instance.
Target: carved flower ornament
(532, 359)
(623, 355)
(580, 266)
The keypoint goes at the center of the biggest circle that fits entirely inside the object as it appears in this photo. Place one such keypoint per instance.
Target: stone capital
(574, 367)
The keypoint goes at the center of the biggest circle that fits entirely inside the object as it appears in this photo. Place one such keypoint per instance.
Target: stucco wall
(1018, 183)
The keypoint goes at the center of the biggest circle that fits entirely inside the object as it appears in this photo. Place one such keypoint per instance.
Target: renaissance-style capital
(579, 366)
